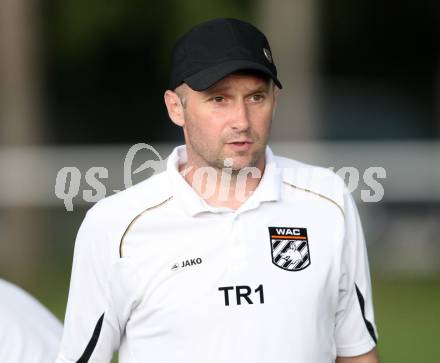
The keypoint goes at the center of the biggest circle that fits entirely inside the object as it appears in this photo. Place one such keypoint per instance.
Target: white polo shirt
(164, 277)
(29, 333)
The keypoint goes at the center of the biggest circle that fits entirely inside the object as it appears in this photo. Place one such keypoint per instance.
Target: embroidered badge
(290, 248)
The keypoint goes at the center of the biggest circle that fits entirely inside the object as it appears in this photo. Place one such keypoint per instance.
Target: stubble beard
(211, 156)
(221, 161)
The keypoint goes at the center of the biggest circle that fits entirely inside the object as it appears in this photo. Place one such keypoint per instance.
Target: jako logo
(186, 263)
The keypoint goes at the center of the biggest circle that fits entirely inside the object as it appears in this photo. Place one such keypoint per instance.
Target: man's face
(231, 119)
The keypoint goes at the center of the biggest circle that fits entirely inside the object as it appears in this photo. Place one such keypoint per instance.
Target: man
(232, 254)
(28, 331)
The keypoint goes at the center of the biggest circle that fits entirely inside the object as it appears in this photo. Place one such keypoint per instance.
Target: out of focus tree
(21, 124)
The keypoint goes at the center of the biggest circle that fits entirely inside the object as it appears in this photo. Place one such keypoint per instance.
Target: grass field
(408, 319)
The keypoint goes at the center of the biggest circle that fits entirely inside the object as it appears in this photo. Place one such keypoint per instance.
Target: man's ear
(174, 107)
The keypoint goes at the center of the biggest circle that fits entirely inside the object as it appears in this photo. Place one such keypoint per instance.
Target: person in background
(29, 333)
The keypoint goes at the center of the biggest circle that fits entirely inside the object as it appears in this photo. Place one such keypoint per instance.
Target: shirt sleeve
(92, 330)
(356, 332)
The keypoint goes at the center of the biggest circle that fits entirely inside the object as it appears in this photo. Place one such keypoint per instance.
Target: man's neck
(222, 188)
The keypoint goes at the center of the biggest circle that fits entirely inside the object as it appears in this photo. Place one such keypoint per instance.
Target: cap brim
(206, 78)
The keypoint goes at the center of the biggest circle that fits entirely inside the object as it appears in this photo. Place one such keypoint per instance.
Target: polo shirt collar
(269, 188)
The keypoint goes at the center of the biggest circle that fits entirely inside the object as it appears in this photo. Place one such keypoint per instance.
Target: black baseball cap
(211, 50)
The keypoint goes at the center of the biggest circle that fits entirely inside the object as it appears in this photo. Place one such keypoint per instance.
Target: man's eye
(218, 99)
(257, 98)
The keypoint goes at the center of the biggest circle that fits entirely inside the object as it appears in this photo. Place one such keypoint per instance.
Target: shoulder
(320, 181)
(106, 222)
(145, 194)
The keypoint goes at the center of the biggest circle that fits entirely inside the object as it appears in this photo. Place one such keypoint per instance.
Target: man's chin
(237, 162)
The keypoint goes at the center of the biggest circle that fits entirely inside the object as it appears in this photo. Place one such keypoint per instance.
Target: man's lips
(240, 145)
(240, 142)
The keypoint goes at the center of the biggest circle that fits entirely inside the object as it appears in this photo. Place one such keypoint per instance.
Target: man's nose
(240, 117)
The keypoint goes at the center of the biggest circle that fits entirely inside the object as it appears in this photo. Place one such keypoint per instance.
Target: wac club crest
(290, 248)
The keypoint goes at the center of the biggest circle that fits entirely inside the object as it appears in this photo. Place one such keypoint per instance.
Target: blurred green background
(91, 74)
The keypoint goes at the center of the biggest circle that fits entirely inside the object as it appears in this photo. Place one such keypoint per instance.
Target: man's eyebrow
(262, 88)
(220, 89)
